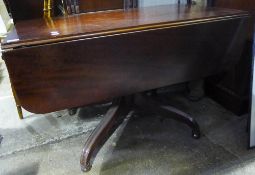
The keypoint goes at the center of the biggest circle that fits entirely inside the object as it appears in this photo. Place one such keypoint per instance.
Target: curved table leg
(19, 109)
(153, 105)
(112, 119)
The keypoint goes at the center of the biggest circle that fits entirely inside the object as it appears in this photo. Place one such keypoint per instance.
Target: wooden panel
(99, 5)
(59, 76)
(236, 4)
(248, 5)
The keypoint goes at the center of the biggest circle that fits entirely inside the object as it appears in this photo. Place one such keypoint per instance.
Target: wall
(145, 3)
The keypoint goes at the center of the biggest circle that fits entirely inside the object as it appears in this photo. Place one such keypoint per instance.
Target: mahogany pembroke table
(67, 62)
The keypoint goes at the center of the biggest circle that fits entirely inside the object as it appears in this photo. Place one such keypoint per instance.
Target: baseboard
(227, 98)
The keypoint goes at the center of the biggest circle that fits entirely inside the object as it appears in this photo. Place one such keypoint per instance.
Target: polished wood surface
(248, 5)
(107, 126)
(73, 73)
(42, 31)
(236, 4)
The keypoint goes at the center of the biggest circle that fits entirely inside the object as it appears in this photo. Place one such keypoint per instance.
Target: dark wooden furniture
(100, 5)
(31, 9)
(27, 9)
(232, 88)
(119, 55)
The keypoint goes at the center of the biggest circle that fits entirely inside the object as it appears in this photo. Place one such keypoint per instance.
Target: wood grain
(236, 4)
(44, 31)
(248, 5)
(57, 76)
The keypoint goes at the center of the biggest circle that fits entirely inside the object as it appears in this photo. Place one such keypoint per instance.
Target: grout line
(225, 149)
(52, 141)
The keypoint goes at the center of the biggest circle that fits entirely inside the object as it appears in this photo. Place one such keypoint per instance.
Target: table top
(81, 26)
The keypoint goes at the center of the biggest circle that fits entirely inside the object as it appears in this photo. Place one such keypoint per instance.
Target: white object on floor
(146, 3)
(5, 20)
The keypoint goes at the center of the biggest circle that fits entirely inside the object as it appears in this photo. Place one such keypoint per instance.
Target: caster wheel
(86, 168)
